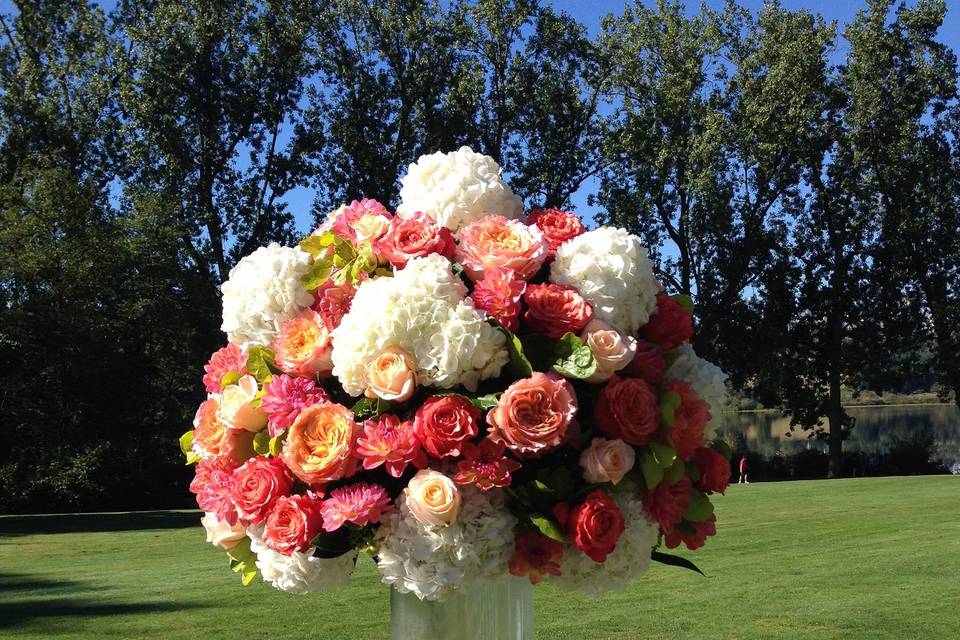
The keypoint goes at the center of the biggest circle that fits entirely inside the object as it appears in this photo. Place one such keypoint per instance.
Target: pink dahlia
(230, 359)
(362, 221)
(284, 397)
(333, 302)
(689, 420)
(360, 504)
(499, 294)
(213, 484)
(692, 534)
(390, 442)
(667, 502)
(485, 466)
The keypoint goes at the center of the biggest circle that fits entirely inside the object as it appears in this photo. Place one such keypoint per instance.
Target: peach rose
(320, 444)
(222, 534)
(362, 221)
(392, 375)
(611, 349)
(303, 346)
(236, 409)
(211, 438)
(433, 498)
(607, 461)
(494, 242)
(533, 414)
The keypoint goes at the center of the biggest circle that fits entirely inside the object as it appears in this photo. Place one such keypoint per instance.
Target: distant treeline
(800, 178)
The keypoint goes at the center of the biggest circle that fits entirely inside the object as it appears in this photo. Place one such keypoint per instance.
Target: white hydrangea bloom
(611, 270)
(300, 572)
(262, 292)
(423, 310)
(707, 379)
(456, 188)
(629, 560)
(432, 561)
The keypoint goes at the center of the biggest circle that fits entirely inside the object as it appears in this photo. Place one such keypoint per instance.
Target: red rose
(695, 539)
(647, 364)
(595, 525)
(714, 470)
(414, 237)
(627, 408)
(444, 423)
(257, 485)
(557, 227)
(689, 420)
(670, 325)
(555, 309)
(293, 523)
(666, 503)
(498, 294)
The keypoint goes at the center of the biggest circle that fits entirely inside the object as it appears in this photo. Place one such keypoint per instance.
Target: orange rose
(212, 438)
(303, 346)
(321, 442)
(392, 375)
(533, 414)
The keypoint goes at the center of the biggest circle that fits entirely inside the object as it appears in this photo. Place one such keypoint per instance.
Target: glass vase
(496, 610)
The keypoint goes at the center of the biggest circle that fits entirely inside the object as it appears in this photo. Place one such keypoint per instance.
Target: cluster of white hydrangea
(629, 560)
(456, 188)
(611, 270)
(300, 572)
(707, 380)
(262, 292)
(423, 310)
(433, 561)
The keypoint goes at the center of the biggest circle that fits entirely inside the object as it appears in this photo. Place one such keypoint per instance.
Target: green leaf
(317, 245)
(261, 442)
(548, 527)
(318, 274)
(332, 544)
(700, 507)
(186, 446)
(540, 486)
(229, 378)
(652, 471)
(370, 408)
(519, 366)
(675, 561)
(276, 443)
(488, 401)
(260, 363)
(243, 561)
(674, 472)
(684, 301)
(668, 407)
(663, 454)
(573, 358)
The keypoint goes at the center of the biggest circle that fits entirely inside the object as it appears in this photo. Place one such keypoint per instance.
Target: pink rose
(303, 346)
(556, 309)
(444, 423)
(557, 226)
(533, 414)
(221, 533)
(293, 523)
(362, 221)
(494, 242)
(499, 294)
(611, 349)
(257, 484)
(414, 237)
(627, 408)
(392, 376)
(433, 498)
(607, 461)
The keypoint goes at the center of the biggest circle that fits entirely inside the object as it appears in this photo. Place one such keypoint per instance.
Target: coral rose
(499, 294)
(433, 498)
(293, 523)
(607, 461)
(647, 364)
(666, 503)
(362, 221)
(714, 470)
(670, 325)
(414, 237)
(494, 242)
(594, 525)
(533, 414)
(303, 346)
(321, 442)
(212, 438)
(627, 409)
(392, 375)
(444, 423)
(236, 409)
(222, 534)
(556, 309)
(557, 227)
(611, 349)
(689, 420)
(257, 484)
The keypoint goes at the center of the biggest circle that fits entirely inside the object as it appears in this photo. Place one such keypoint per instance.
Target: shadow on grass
(27, 599)
(95, 522)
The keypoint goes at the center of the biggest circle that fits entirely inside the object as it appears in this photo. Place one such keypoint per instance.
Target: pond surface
(768, 432)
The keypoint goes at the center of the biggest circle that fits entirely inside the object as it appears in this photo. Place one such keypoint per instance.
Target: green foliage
(243, 561)
(261, 363)
(370, 408)
(568, 356)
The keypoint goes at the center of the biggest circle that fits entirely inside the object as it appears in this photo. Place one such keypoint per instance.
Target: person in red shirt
(744, 478)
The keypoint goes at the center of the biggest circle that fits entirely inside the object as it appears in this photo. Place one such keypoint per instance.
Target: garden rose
(607, 461)
(221, 533)
(444, 423)
(594, 525)
(414, 237)
(533, 414)
(293, 522)
(669, 326)
(236, 409)
(212, 438)
(257, 484)
(433, 498)
(647, 364)
(362, 221)
(556, 309)
(714, 470)
(666, 503)
(557, 227)
(303, 346)
(689, 420)
(494, 242)
(499, 294)
(392, 376)
(611, 349)
(627, 409)
(320, 444)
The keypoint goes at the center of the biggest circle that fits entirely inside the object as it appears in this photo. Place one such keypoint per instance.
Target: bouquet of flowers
(460, 391)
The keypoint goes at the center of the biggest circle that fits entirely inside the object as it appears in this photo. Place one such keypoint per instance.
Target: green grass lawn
(865, 558)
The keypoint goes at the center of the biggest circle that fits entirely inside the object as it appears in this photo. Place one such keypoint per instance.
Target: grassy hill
(863, 558)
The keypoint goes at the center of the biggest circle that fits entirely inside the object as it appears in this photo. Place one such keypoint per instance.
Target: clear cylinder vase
(497, 610)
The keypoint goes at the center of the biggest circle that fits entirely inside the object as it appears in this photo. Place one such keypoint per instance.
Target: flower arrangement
(460, 391)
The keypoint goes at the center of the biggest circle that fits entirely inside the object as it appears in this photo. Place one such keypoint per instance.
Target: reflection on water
(767, 432)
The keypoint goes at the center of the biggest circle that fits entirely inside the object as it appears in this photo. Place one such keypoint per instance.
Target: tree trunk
(835, 419)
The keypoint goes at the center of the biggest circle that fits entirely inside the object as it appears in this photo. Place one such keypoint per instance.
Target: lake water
(769, 432)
